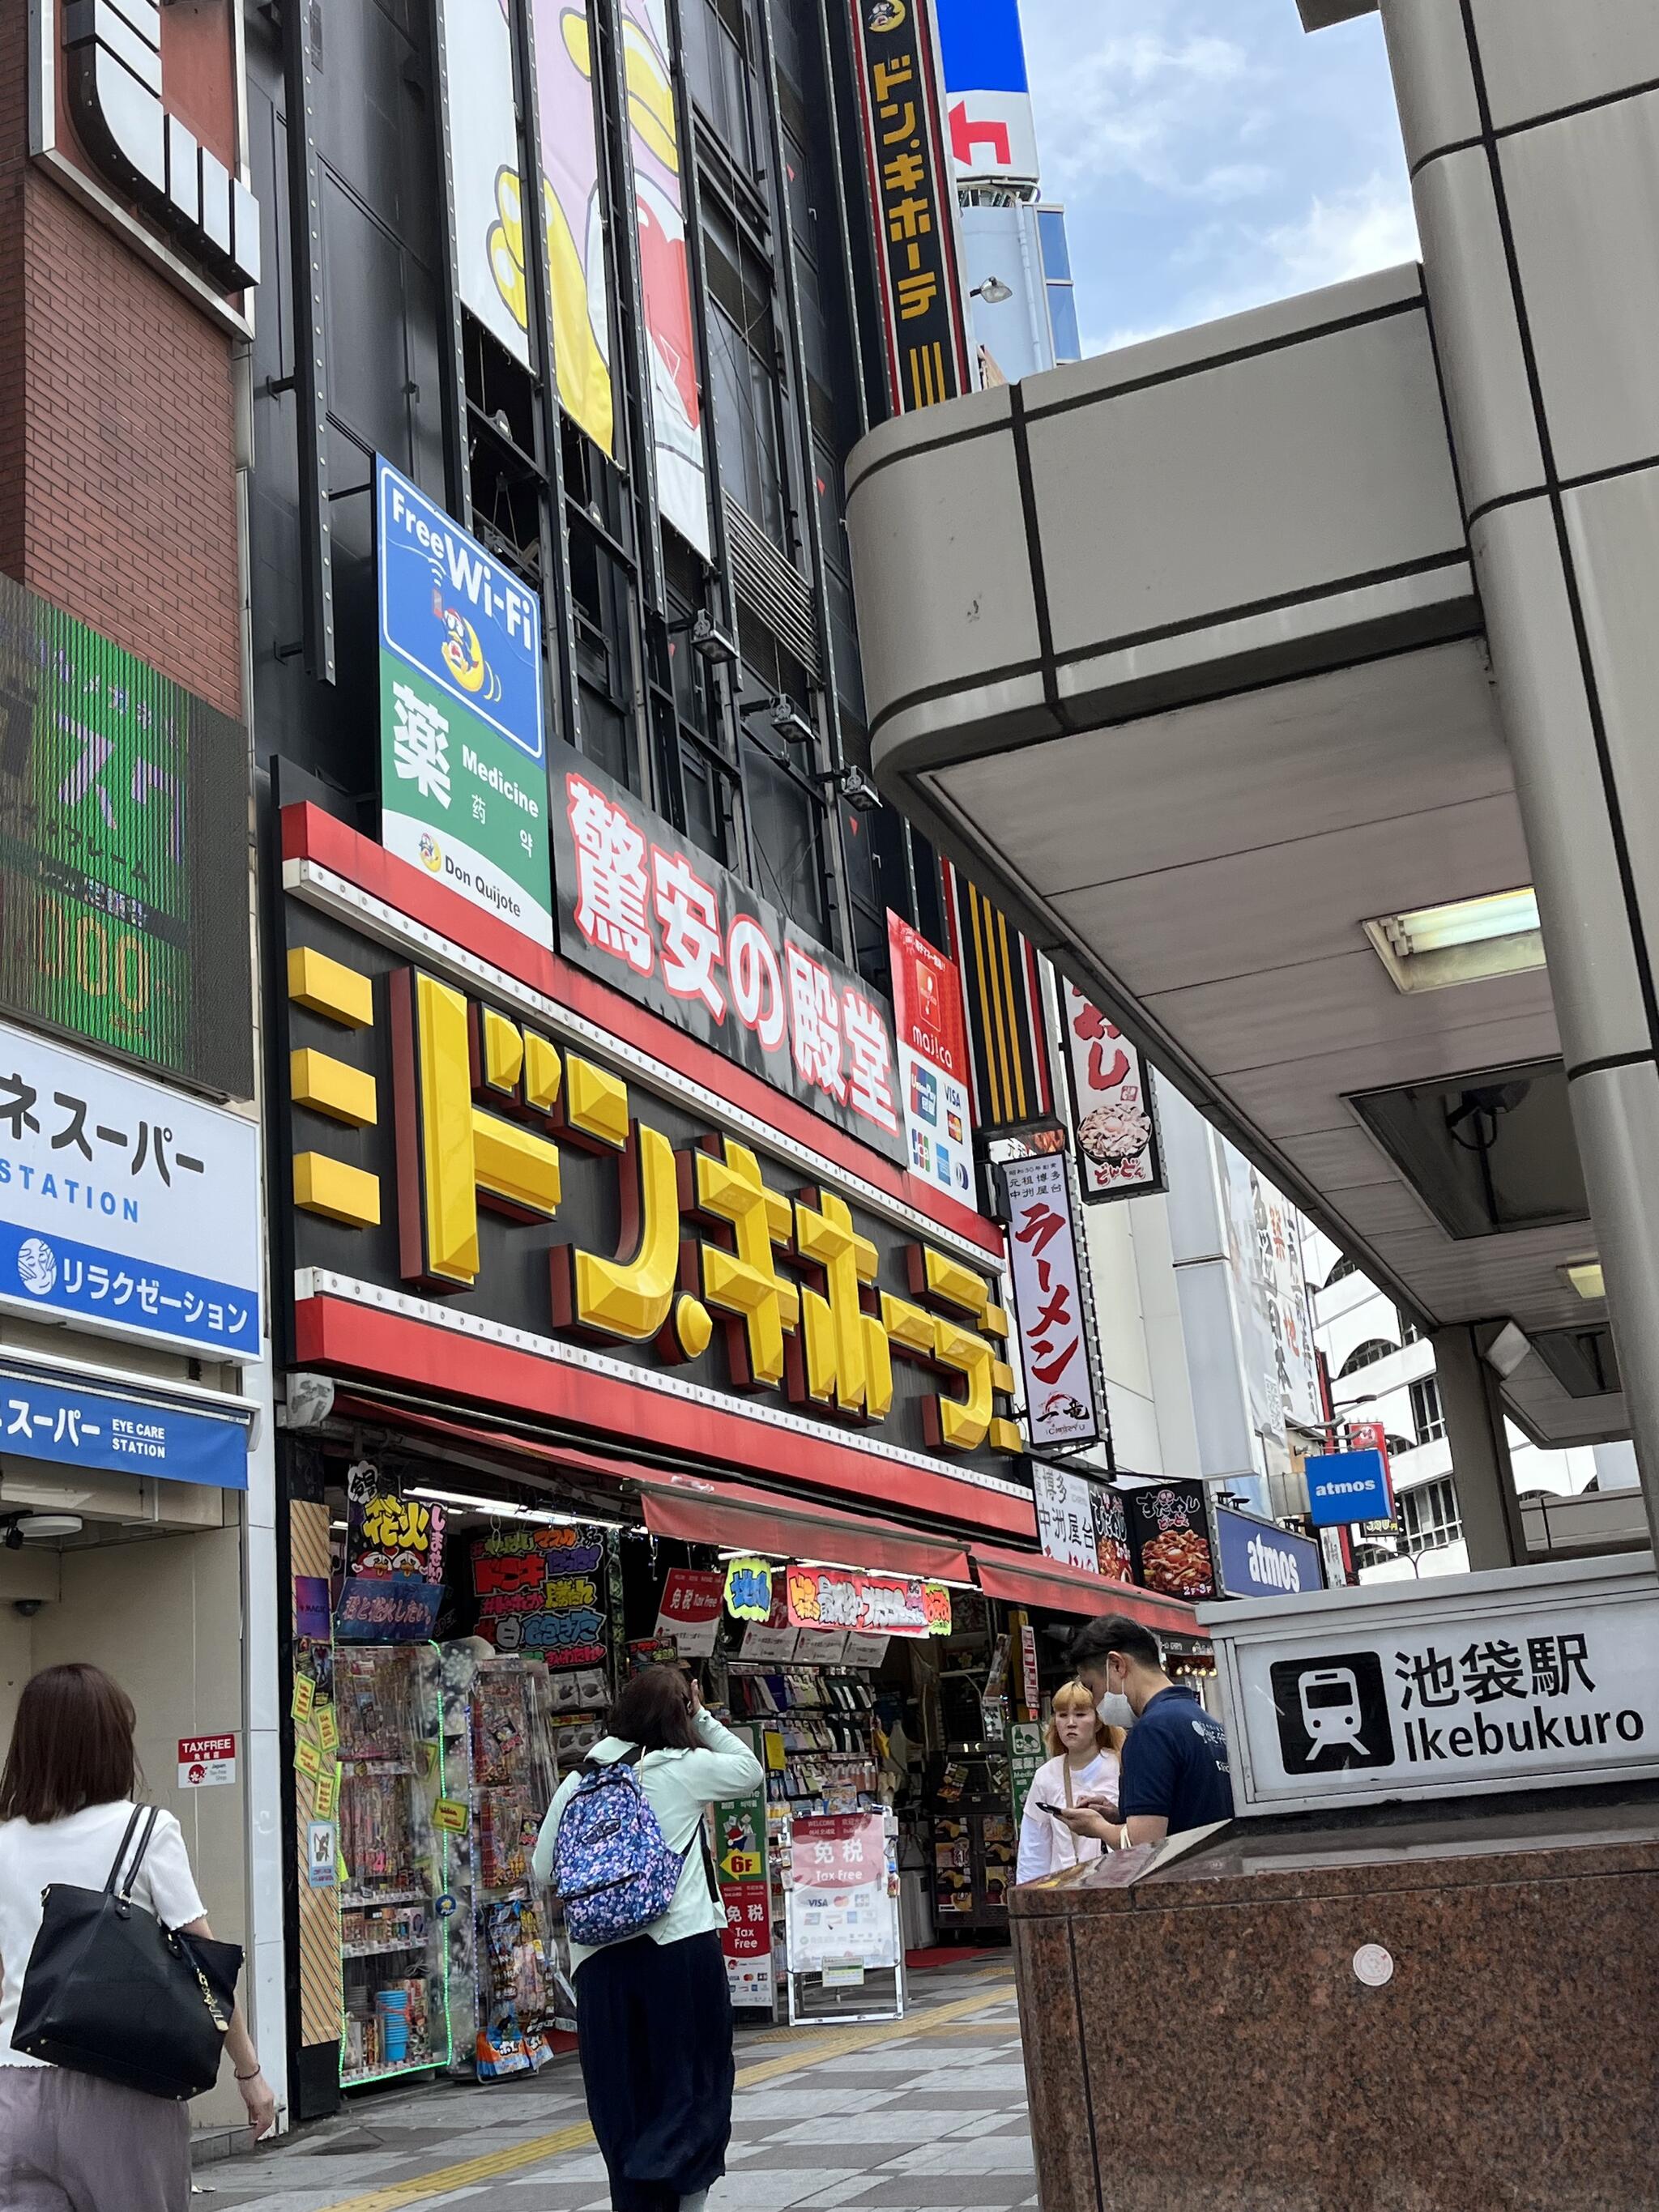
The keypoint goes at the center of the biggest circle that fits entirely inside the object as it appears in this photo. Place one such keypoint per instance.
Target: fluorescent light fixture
(505, 1509)
(1585, 1277)
(1468, 941)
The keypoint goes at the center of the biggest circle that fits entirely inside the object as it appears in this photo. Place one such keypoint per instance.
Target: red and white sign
(206, 1762)
(1028, 1670)
(690, 1610)
(1060, 1393)
(828, 1598)
(837, 1851)
(1112, 1105)
(933, 1061)
(992, 137)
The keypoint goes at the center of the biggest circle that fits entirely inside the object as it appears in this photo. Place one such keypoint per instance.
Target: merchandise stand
(394, 1967)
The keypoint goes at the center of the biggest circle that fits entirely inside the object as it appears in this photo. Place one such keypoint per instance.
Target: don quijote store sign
(511, 1188)
(1539, 1677)
(136, 109)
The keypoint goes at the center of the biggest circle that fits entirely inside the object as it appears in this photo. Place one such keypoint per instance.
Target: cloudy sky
(1212, 155)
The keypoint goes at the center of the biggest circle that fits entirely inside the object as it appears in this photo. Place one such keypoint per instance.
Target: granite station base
(1452, 2008)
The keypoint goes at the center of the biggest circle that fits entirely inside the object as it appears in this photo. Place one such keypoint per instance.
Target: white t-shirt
(1047, 1845)
(79, 1851)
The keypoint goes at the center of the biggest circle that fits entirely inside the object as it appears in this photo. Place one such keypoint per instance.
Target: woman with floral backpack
(625, 1847)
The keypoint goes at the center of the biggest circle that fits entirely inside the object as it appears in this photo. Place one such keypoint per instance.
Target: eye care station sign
(1538, 1677)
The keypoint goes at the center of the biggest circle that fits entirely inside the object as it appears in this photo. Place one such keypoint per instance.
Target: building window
(1428, 1415)
(717, 44)
(1398, 1446)
(1340, 1273)
(1057, 282)
(743, 367)
(1410, 1333)
(1366, 1355)
(1429, 1518)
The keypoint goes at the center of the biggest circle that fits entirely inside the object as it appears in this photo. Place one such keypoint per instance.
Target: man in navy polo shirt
(1174, 1763)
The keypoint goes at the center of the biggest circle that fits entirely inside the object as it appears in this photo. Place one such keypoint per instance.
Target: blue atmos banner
(120, 1436)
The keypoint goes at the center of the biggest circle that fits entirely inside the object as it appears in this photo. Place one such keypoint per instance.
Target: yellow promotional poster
(304, 1696)
(328, 1732)
(749, 1590)
(307, 1758)
(327, 1792)
(450, 1814)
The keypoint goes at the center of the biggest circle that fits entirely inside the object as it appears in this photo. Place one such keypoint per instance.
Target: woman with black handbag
(75, 2136)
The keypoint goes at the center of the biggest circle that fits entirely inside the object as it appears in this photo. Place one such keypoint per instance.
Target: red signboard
(837, 1851)
(690, 1610)
(935, 1074)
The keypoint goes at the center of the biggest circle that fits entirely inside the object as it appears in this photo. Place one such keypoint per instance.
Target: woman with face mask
(1082, 1767)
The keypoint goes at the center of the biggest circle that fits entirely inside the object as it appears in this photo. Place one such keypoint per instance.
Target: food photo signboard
(1114, 1116)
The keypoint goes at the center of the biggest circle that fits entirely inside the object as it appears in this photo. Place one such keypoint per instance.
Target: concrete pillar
(1481, 1474)
(1534, 155)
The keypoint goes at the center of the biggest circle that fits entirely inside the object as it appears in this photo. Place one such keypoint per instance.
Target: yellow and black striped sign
(1014, 1088)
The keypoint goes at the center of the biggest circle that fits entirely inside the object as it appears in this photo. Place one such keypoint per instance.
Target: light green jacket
(678, 1786)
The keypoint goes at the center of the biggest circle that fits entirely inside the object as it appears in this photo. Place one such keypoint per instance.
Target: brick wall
(118, 495)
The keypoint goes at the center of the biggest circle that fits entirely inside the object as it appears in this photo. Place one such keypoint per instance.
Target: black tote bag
(110, 1992)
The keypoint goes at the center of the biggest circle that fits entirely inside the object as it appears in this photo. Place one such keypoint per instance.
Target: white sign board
(206, 1762)
(1540, 1677)
(125, 1207)
(1117, 1152)
(1065, 1515)
(1060, 1394)
(484, 153)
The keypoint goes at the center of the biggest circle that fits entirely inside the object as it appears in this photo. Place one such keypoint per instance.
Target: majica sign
(445, 1148)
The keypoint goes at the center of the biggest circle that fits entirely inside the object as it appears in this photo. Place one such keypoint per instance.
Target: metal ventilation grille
(774, 590)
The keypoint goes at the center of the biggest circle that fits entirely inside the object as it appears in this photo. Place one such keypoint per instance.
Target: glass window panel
(1062, 321)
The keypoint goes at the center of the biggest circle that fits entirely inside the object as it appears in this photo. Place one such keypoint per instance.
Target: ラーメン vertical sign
(462, 734)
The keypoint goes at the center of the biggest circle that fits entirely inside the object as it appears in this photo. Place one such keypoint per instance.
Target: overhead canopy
(694, 1508)
(1028, 1578)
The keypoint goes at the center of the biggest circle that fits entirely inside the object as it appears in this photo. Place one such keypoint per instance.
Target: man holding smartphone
(1174, 1763)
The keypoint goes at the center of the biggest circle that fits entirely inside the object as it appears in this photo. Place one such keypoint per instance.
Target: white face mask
(1116, 1709)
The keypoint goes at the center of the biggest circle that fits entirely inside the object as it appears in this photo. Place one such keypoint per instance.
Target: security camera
(790, 725)
(858, 790)
(27, 1608)
(711, 642)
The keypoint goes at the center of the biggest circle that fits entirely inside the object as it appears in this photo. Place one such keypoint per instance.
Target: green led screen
(123, 853)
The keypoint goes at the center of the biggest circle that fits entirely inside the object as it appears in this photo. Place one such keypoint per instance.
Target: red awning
(1030, 1578)
(696, 1509)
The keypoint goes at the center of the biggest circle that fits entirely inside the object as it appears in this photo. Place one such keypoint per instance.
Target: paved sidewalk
(924, 2115)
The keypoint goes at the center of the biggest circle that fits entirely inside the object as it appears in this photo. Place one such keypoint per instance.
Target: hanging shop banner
(388, 1535)
(933, 1062)
(1170, 1532)
(749, 1590)
(1060, 1393)
(538, 1592)
(387, 1609)
(578, 278)
(664, 272)
(1347, 1488)
(745, 1887)
(1014, 1093)
(988, 94)
(642, 909)
(1112, 1109)
(1256, 1559)
(122, 853)
(842, 1894)
(82, 1427)
(615, 1222)
(106, 1183)
(912, 199)
(1517, 1682)
(690, 1610)
(462, 734)
(1264, 1251)
(1113, 1553)
(830, 1597)
(1066, 1522)
(487, 195)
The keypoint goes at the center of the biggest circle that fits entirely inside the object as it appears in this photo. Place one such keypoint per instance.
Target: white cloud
(1139, 105)
(1370, 227)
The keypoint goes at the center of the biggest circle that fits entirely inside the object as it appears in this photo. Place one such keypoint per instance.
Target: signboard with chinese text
(612, 1215)
(123, 887)
(387, 1609)
(912, 192)
(690, 1610)
(207, 1762)
(832, 1597)
(748, 1589)
(1254, 1558)
(539, 1592)
(746, 1885)
(1113, 1554)
(106, 1181)
(1112, 1108)
(843, 1908)
(1170, 1533)
(1066, 1523)
(389, 1534)
(462, 734)
(988, 94)
(934, 1077)
(1533, 1677)
(1060, 1394)
(81, 1425)
(642, 909)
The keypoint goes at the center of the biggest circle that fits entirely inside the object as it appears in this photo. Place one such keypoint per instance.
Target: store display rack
(822, 1719)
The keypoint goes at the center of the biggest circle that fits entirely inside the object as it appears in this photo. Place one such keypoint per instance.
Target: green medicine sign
(462, 726)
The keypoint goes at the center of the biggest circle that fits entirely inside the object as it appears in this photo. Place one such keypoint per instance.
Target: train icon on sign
(1332, 1712)
(1330, 1708)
